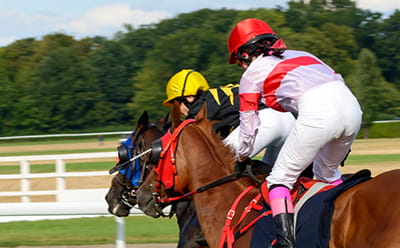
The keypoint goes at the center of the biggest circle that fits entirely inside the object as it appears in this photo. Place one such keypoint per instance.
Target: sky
(20, 19)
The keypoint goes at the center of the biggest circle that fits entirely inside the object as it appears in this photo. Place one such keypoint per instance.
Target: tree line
(62, 84)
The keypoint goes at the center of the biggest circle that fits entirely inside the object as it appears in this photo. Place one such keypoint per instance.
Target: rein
(171, 148)
(121, 166)
(213, 184)
(164, 155)
(130, 191)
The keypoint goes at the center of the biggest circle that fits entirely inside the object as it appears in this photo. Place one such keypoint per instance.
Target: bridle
(160, 202)
(142, 150)
(128, 193)
(127, 169)
(168, 153)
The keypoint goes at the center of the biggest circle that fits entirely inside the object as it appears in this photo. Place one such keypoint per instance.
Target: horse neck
(201, 158)
(203, 165)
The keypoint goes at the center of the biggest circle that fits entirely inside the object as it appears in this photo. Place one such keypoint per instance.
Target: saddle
(313, 202)
(314, 205)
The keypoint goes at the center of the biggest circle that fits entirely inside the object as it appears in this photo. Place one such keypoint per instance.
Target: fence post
(120, 240)
(60, 170)
(25, 184)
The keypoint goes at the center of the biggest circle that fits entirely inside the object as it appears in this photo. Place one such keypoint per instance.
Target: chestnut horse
(366, 215)
(121, 196)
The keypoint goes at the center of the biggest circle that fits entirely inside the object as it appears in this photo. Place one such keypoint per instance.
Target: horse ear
(143, 121)
(202, 113)
(163, 124)
(175, 115)
(164, 119)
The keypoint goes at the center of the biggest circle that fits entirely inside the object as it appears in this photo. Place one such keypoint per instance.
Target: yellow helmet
(186, 82)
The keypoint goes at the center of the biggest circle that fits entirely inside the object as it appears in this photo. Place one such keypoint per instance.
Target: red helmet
(244, 32)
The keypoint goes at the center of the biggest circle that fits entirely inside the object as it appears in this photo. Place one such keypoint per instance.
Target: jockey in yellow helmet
(186, 82)
(191, 90)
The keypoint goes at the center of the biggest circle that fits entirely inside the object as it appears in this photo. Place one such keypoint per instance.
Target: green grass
(87, 231)
(55, 140)
(47, 168)
(362, 159)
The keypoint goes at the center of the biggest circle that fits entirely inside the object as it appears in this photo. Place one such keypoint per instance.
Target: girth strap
(228, 235)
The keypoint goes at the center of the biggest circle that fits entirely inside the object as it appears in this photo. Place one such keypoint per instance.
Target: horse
(121, 197)
(365, 215)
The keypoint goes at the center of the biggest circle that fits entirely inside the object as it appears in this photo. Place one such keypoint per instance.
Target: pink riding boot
(283, 214)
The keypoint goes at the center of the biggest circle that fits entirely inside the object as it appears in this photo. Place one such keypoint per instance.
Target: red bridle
(167, 173)
(166, 169)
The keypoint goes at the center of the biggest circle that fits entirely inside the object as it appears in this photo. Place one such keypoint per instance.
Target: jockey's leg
(283, 214)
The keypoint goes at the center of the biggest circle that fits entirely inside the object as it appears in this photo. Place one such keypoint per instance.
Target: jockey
(328, 114)
(191, 90)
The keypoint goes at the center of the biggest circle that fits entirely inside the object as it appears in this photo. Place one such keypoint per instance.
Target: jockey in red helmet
(328, 114)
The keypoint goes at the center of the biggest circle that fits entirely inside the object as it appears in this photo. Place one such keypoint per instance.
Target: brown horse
(366, 215)
(121, 197)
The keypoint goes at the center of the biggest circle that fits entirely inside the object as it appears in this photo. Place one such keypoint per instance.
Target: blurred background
(74, 78)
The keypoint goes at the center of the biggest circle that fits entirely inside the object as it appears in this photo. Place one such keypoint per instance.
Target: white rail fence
(69, 203)
(61, 193)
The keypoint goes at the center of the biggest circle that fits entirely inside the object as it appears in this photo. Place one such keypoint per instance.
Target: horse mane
(224, 153)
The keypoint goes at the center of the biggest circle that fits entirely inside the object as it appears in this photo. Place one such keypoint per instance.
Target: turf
(85, 231)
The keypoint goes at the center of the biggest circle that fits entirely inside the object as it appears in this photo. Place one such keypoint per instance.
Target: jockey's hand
(241, 163)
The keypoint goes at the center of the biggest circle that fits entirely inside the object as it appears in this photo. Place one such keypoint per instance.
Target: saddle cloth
(313, 218)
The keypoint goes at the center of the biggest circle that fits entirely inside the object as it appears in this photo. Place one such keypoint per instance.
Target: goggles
(181, 99)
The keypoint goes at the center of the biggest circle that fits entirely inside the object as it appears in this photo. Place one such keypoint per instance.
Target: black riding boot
(284, 229)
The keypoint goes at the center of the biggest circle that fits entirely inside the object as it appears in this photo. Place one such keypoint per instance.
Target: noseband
(131, 167)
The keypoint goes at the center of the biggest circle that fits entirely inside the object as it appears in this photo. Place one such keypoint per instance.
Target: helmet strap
(184, 82)
(244, 58)
(271, 46)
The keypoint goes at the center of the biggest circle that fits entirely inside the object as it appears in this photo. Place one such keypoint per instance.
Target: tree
(63, 90)
(387, 47)
(112, 68)
(369, 87)
(17, 63)
(59, 83)
(344, 47)
(5, 109)
(191, 41)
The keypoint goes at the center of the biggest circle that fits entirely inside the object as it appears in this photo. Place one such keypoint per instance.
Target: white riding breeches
(328, 121)
(275, 126)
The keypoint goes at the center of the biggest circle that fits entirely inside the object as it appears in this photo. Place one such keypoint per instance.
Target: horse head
(121, 196)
